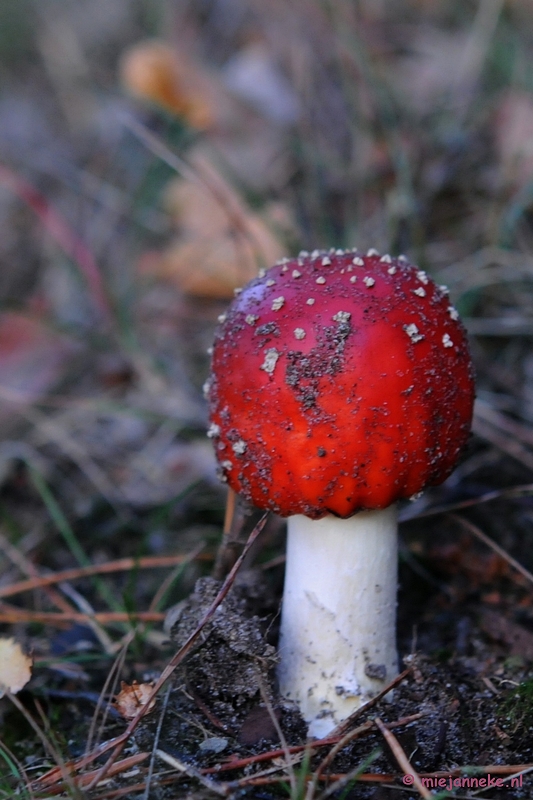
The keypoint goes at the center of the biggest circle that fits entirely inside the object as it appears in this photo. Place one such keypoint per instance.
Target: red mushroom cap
(340, 382)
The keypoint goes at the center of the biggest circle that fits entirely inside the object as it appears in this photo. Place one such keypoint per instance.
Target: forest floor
(154, 157)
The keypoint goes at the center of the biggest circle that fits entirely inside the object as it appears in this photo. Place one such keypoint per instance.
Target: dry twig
(478, 533)
(120, 565)
(401, 758)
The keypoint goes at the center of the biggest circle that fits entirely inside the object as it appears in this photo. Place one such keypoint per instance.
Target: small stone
(215, 744)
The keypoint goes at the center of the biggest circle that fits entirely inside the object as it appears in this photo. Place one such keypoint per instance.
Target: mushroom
(341, 383)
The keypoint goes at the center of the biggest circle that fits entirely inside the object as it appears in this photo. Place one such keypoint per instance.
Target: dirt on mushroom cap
(340, 382)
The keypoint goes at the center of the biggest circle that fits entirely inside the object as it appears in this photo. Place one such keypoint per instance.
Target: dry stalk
(401, 758)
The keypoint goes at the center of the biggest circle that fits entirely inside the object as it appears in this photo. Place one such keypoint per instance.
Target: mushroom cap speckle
(340, 382)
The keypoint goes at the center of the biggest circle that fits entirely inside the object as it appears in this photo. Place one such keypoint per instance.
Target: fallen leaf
(153, 71)
(133, 697)
(517, 638)
(463, 556)
(259, 726)
(207, 268)
(15, 667)
(32, 357)
(222, 243)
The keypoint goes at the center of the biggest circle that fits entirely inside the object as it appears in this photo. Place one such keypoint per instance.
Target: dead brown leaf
(15, 667)
(154, 71)
(32, 357)
(133, 697)
(222, 243)
(517, 638)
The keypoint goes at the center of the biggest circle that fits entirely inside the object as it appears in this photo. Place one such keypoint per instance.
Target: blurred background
(154, 154)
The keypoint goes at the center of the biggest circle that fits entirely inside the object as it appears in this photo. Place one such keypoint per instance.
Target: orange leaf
(153, 71)
(132, 697)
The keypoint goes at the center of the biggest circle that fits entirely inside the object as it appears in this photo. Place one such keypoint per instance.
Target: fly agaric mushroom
(340, 384)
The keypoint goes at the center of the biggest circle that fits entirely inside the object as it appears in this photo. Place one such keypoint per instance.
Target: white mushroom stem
(338, 623)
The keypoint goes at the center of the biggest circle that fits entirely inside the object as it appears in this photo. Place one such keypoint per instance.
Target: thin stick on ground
(354, 774)
(85, 607)
(107, 689)
(155, 747)
(362, 730)
(217, 788)
(478, 533)
(45, 741)
(12, 615)
(28, 568)
(120, 565)
(401, 758)
(201, 175)
(522, 490)
(345, 740)
(281, 735)
(124, 765)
